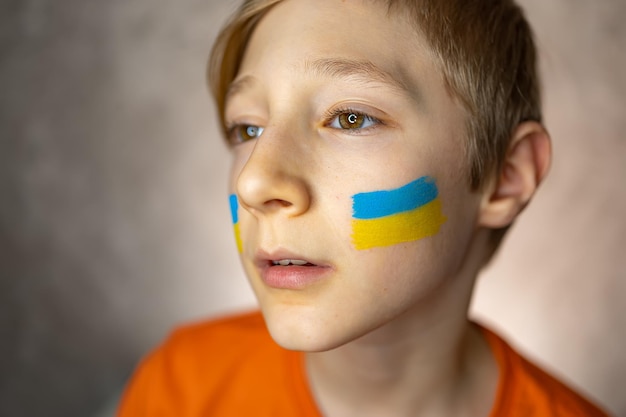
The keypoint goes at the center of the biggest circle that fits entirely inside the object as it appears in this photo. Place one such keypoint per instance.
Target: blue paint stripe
(234, 207)
(385, 203)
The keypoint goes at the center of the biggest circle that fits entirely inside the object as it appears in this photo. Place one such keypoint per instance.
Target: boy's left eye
(352, 120)
(243, 133)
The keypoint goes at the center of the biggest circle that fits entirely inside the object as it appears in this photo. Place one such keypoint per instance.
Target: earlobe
(526, 164)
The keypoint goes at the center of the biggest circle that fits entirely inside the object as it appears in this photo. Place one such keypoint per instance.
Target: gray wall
(114, 223)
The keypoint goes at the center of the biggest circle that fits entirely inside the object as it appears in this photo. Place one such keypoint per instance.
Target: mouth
(291, 272)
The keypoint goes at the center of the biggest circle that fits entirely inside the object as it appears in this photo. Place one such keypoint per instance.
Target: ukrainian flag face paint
(405, 214)
(234, 211)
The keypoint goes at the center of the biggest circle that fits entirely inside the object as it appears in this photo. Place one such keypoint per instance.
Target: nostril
(278, 203)
(285, 203)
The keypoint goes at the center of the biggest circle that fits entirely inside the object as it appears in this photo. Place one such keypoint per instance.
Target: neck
(409, 376)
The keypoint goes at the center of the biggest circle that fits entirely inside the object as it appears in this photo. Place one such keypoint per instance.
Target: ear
(526, 164)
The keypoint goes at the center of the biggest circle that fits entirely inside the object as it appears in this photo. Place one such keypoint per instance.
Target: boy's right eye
(243, 133)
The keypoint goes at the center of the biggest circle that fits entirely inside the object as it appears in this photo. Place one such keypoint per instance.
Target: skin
(385, 328)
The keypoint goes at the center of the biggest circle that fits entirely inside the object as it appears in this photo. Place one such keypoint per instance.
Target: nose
(273, 180)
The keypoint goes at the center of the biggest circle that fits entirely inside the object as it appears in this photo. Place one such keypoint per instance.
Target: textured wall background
(114, 224)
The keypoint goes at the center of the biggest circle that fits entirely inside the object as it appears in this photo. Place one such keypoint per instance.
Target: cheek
(385, 218)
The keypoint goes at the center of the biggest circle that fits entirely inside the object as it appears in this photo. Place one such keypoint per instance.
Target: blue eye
(352, 120)
(244, 133)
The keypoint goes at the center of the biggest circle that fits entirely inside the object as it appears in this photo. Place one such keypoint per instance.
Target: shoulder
(204, 366)
(231, 333)
(216, 348)
(525, 389)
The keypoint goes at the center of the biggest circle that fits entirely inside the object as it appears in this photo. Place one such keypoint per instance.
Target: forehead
(333, 38)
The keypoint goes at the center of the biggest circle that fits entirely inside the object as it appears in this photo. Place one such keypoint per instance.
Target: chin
(301, 329)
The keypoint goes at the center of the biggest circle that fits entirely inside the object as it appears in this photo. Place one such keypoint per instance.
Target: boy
(381, 149)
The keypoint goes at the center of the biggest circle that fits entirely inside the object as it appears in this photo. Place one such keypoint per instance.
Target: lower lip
(293, 277)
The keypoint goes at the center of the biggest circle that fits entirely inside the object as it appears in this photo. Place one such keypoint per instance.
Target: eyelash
(333, 114)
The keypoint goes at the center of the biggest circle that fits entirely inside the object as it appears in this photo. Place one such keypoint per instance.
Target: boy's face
(347, 101)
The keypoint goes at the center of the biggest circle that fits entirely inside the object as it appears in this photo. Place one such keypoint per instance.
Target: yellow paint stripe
(403, 227)
(238, 238)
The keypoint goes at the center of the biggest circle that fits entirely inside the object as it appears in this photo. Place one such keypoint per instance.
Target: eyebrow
(238, 85)
(362, 71)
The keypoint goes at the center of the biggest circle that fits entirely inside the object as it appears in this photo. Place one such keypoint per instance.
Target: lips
(288, 271)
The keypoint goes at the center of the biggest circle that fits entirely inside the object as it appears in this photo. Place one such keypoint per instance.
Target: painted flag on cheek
(389, 217)
(234, 211)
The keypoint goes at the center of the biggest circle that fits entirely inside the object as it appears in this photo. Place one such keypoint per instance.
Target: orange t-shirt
(231, 367)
